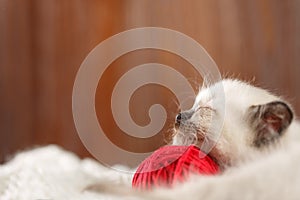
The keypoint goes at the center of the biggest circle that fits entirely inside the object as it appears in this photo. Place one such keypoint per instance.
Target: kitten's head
(252, 120)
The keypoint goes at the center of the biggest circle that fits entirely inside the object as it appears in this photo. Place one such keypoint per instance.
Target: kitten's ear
(269, 121)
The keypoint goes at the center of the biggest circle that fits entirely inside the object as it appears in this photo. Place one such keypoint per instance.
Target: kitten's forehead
(236, 92)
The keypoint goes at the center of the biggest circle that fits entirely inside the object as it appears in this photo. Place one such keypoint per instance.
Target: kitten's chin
(187, 138)
(184, 138)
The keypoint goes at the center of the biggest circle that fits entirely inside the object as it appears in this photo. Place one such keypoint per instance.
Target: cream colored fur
(52, 173)
(234, 143)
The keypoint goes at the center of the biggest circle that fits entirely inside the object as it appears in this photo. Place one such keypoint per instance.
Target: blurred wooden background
(43, 43)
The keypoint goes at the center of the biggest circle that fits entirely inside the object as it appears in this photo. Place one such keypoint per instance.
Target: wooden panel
(16, 77)
(42, 44)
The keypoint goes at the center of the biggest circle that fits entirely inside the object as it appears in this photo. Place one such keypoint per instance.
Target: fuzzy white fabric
(53, 173)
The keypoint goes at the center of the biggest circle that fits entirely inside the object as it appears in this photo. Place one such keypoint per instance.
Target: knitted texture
(171, 164)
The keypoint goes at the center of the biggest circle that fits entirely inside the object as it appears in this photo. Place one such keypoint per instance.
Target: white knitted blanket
(51, 173)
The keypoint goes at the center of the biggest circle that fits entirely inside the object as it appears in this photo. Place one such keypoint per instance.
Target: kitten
(254, 121)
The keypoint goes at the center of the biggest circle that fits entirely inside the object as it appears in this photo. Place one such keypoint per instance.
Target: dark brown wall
(42, 44)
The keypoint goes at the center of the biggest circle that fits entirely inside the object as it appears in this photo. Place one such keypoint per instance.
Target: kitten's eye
(205, 108)
(204, 103)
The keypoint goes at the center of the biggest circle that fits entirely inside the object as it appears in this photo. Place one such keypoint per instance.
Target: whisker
(174, 100)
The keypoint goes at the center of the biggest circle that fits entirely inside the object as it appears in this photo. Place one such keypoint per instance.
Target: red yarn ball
(171, 164)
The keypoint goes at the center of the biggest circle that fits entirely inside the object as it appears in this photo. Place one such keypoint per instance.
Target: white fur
(275, 176)
(234, 144)
(52, 173)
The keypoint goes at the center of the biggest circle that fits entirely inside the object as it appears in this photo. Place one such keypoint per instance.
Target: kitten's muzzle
(178, 118)
(182, 117)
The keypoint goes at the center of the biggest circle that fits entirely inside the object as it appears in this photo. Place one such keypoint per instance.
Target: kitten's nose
(178, 118)
(183, 116)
